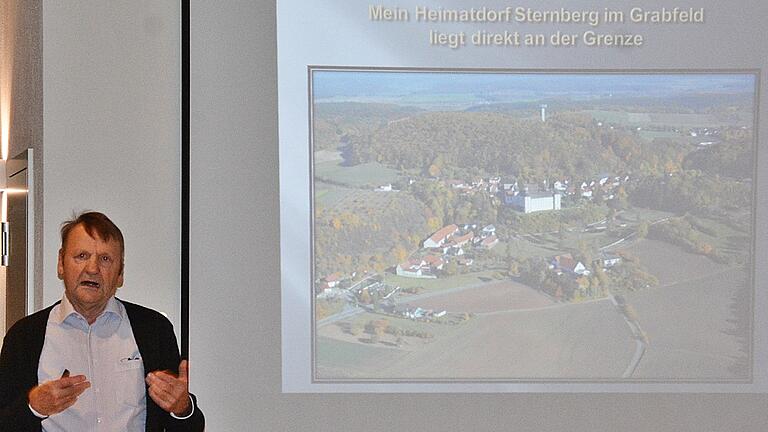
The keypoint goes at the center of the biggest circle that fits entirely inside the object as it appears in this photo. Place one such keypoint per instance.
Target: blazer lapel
(144, 336)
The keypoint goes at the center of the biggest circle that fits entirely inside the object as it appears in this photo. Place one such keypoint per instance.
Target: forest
(336, 123)
(567, 145)
(668, 174)
(360, 238)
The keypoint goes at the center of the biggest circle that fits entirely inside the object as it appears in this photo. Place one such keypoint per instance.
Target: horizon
(501, 87)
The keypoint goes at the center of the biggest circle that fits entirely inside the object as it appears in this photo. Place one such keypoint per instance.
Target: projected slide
(473, 225)
(485, 196)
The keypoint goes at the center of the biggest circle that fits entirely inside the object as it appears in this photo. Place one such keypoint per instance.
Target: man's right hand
(53, 397)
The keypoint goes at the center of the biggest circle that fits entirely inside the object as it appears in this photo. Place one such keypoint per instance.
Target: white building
(414, 269)
(529, 202)
(610, 259)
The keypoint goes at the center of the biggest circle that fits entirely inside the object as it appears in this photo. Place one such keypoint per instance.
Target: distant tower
(543, 112)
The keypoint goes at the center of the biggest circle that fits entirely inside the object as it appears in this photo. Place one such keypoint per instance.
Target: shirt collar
(66, 309)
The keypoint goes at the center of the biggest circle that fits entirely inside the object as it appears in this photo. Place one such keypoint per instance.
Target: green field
(328, 156)
(638, 117)
(429, 101)
(547, 245)
(609, 116)
(363, 175)
(523, 249)
(554, 245)
(659, 119)
(348, 355)
(328, 195)
(651, 135)
(440, 283)
(685, 120)
(637, 214)
(339, 354)
(726, 240)
(402, 323)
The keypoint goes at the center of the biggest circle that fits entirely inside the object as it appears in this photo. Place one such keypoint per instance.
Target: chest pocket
(129, 381)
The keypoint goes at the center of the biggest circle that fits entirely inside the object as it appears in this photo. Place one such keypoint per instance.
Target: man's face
(91, 270)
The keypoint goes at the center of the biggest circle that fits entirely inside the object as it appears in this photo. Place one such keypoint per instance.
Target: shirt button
(98, 420)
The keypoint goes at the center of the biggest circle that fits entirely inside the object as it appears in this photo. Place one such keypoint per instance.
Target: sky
(356, 84)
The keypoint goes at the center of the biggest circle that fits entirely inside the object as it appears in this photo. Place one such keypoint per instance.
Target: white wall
(234, 280)
(112, 123)
(21, 82)
(234, 277)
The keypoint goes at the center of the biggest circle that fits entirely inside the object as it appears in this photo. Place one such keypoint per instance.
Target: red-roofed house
(441, 236)
(434, 261)
(462, 240)
(490, 241)
(332, 279)
(568, 263)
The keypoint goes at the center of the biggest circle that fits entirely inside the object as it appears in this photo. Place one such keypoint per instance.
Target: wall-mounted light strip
(7, 45)
(4, 225)
(14, 190)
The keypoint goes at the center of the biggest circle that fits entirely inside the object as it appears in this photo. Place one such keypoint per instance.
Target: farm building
(415, 268)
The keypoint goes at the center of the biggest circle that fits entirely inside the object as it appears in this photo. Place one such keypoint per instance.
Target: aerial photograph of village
(532, 227)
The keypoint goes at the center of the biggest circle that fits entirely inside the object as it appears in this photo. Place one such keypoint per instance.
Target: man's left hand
(171, 392)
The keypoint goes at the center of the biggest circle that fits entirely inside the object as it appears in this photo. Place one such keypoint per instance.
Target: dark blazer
(21, 354)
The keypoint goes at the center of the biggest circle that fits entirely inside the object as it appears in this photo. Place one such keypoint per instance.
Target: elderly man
(92, 362)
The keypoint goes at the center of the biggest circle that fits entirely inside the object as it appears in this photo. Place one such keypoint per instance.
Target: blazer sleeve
(18, 375)
(170, 359)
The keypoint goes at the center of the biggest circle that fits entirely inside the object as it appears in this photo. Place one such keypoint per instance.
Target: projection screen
(456, 217)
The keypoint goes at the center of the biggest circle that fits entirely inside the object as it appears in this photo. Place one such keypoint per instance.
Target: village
(499, 240)
(455, 247)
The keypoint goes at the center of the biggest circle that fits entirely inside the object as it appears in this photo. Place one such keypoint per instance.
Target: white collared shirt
(107, 354)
